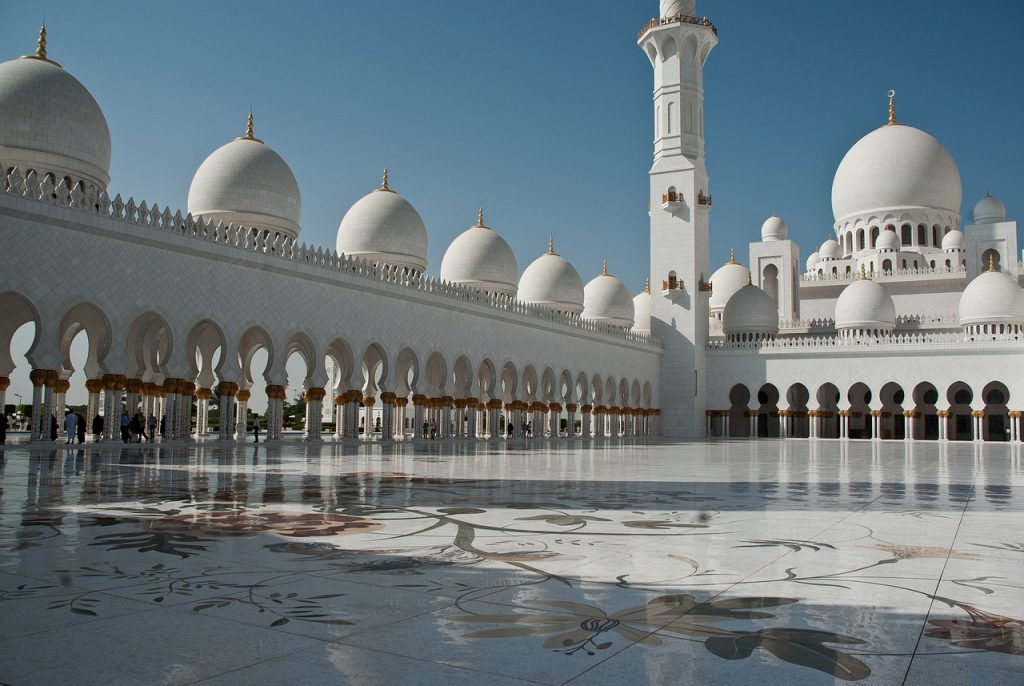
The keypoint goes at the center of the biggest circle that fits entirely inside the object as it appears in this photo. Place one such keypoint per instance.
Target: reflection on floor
(799, 562)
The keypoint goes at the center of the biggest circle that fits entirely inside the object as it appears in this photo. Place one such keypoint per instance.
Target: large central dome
(895, 168)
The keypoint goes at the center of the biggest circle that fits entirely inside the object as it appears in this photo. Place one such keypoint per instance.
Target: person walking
(71, 428)
(151, 425)
(97, 428)
(80, 424)
(53, 428)
(3, 427)
(256, 427)
(126, 426)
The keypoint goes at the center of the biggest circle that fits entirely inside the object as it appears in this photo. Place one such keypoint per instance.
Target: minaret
(678, 44)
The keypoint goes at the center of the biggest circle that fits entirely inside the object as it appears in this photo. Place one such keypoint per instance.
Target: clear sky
(539, 110)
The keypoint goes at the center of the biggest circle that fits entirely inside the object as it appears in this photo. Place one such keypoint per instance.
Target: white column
(38, 378)
(586, 417)
(226, 413)
(387, 417)
(242, 414)
(314, 415)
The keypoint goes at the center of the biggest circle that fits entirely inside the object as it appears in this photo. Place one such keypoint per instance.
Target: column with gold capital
(242, 396)
(226, 409)
(387, 416)
(314, 414)
(60, 397)
(113, 390)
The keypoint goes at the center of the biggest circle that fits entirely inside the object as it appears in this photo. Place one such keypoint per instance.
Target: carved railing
(677, 19)
(894, 340)
(251, 240)
(811, 277)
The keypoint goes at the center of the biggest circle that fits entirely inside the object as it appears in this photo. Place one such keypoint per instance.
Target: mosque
(896, 328)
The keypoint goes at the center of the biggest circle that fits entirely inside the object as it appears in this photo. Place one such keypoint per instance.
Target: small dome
(864, 304)
(774, 229)
(812, 261)
(830, 250)
(992, 298)
(750, 310)
(888, 240)
(954, 240)
(551, 282)
(50, 123)
(895, 167)
(642, 310)
(606, 300)
(989, 210)
(480, 258)
(726, 280)
(670, 8)
(245, 182)
(383, 227)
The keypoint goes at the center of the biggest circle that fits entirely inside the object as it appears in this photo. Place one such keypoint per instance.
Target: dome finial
(41, 47)
(249, 136)
(551, 245)
(992, 262)
(647, 287)
(732, 255)
(384, 182)
(863, 273)
(892, 107)
(480, 218)
(750, 279)
(604, 268)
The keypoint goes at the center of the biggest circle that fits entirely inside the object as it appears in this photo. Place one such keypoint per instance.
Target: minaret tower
(678, 44)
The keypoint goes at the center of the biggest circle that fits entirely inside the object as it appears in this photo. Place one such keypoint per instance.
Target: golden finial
(480, 219)
(551, 245)
(892, 107)
(604, 268)
(750, 279)
(384, 182)
(647, 286)
(732, 255)
(992, 262)
(863, 273)
(40, 47)
(249, 136)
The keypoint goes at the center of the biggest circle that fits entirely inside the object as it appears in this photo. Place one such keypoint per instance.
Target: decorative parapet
(895, 340)
(814, 277)
(252, 240)
(677, 19)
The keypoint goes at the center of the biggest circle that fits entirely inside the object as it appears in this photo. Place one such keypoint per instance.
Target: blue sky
(539, 110)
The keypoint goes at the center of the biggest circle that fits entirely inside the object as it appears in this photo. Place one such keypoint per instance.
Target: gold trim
(40, 48)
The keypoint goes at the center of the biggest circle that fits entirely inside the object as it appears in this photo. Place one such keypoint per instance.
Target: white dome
(774, 229)
(750, 310)
(480, 258)
(726, 280)
(812, 261)
(989, 210)
(830, 250)
(642, 311)
(888, 240)
(895, 168)
(670, 8)
(992, 298)
(550, 281)
(246, 183)
(864, 304)
(954, 240)
(384, 227)
(606, 300)
(49, 122)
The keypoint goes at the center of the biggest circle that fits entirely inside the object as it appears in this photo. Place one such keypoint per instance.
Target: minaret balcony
(672, 288)
(672, 202)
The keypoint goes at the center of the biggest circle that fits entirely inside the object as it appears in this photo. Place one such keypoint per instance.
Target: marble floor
(768, 562)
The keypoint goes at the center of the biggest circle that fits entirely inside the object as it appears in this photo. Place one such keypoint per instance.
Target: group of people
(74, 428)
(526, 427)
(134, 427)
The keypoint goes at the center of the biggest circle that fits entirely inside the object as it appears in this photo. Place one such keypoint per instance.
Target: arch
(376, 368)
(149, 344)
(548, 385)
(609, 391)
(566, 386)
(739, 397)
(509, 382)
(339, 352)
(768, 411)
(996, 423)
(89, 318)
(582, 388)
(906, 236)
(407, 372)
(959, 396)
(891, 423)
(859, 417)
(648, 395)
(770, 282)
(437, 375)
(531, 384)
(860, 239)
(250, 343)
(15, 311)
(827, 397)
(462, 377)
(796, 405)
(596, 389)
(634, 392)
(488, 378)
(204, 348)
(874, 236)
(926, 426)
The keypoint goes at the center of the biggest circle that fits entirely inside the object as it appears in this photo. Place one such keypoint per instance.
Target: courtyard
(720, 562)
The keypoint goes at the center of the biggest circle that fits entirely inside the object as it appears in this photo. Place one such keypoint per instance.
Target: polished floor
(731, 562)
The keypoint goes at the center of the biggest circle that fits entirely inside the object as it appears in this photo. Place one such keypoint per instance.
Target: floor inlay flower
(984, 631)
